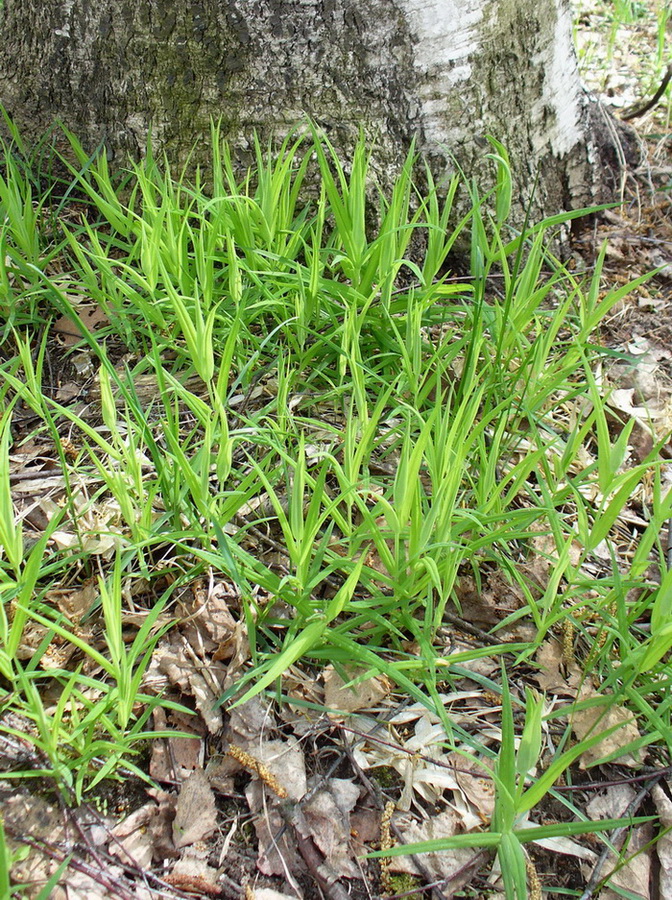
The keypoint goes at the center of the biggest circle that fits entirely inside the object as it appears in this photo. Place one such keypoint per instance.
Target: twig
(468, 628)
(616, 782)
(640, 110)
(86, 840)
(32, 475)
(111, 884)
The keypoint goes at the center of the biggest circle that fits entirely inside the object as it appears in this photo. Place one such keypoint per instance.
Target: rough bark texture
(445, 71)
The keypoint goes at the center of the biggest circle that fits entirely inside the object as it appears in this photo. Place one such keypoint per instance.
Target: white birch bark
(447, 72)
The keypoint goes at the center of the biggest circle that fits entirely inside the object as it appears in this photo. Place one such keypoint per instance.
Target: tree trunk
(447, 72)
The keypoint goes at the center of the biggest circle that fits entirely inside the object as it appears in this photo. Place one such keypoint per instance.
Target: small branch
(640, 110)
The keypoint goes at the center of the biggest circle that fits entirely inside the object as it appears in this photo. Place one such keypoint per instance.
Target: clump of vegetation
(281, 395)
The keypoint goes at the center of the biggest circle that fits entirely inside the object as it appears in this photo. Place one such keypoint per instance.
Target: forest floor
(274, 800)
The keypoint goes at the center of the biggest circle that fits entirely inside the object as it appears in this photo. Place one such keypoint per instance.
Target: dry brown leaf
(473, 604)
(364, 694)
(31, 815)
(80, 886)
(160, 826)
(327, 814)
(633, 877)
(134, 845)
(192, 677)
(196, 812)
(67, 330)
(277, 853)
(594, 719)
(76, 604)
(270, 894)
(286, 763)
(193, 874)
(365, 824)
(475, 784)
(284, 759)
(174, 758)
(212, 628)
(68, 391)
(248, 722)
(554, 675)
(443, 864)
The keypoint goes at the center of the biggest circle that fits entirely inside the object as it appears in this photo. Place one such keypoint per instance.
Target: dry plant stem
(630, 810)
(91, 849)
(18, 477)
(127, 862)
(468, 628)
(616, 782)
(53, 852)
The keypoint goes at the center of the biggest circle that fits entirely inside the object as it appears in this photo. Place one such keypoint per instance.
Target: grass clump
(293, 392)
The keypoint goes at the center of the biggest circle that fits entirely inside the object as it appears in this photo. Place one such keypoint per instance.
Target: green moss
(403, 882)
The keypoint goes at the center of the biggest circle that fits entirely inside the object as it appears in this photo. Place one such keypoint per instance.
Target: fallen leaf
(67, 328)
(170, 660)
(555, 676)
(248, 721)
(362, 695)
(596, 719)
(285, 761)
(196, 813)
(327, 814)
(632, 878)
(68, 391)
(270, 894)
(82, 887)
(276, 853)
(476, 785)
(563, 845)
(174, 758)
(133, 843)
(443, 864)
(160, 826)
(193, 874)
(29, 814)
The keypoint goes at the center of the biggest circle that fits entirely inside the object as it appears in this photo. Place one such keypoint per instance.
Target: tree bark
(446, 72)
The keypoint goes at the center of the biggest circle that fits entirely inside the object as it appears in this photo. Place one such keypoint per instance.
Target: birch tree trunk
(447, 72)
